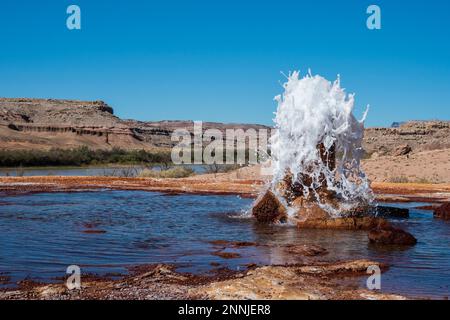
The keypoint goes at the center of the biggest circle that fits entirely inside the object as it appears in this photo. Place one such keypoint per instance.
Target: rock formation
(402, 150)
(410, 136)
(40, 123)
(443, 211)
(269, 209)
(293, 196)
(314, 282)
(308, 214)
(46, 123)
(387, 234)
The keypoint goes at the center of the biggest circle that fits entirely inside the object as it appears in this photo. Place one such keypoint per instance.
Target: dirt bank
(209, 184)
(195, 186)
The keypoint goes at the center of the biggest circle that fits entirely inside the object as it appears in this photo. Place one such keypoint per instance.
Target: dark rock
(388, 235)
(12, 126)
(443, 211)
(389, 212)
(269, 209)
(102, 106)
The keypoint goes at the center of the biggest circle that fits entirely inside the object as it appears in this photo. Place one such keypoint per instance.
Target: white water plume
(312, 111)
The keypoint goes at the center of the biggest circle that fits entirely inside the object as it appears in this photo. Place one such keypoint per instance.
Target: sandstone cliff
(46, 123)
(418, 135)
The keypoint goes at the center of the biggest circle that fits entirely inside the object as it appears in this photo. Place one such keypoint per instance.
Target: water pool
(106, 232)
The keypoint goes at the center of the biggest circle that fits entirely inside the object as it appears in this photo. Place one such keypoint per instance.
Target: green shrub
(79, 156)
(175, 172)
(400, 179)
(423, 180)
(221, 168)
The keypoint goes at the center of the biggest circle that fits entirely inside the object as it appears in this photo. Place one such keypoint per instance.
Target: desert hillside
(415, 151)
(46, 123)
(423, 167)
(414, 135)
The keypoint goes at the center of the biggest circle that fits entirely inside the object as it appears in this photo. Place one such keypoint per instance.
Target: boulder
(388, 235)
(269, 209)
(402, 150)
(349, 223)
(308, 210)
(389, 212)
(443, 211)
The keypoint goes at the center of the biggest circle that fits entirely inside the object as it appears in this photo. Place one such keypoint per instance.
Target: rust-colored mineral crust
(310, 215)
(269, 209)
(293, 194)
(351, 223)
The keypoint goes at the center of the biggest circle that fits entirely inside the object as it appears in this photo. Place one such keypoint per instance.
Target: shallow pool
(106, 232)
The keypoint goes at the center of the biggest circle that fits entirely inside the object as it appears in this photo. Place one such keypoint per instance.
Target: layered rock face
(413, 136)
(37, 123)
(57, 112)
(158, 133)
(46, 123)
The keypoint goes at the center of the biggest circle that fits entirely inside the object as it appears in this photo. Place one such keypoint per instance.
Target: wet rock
(349, 223)
(389, 212)
(355, 267)
(427, 207)
(305, 250)
(159, 271)
(90, 225)
(443, 211)
(269, 209)
(93, 231)
(402, 150)
(388, 235)
(292, 283)
(261, 283)
(226, 255)
(232, 244)
(308, 210)
(4, 279)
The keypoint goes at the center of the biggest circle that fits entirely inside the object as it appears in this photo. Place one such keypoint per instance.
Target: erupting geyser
(317, 179)
(316, 152)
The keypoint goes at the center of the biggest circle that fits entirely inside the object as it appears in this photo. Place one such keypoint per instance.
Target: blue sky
(221, 60)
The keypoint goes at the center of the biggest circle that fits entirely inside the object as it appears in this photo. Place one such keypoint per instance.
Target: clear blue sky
(221, 60)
